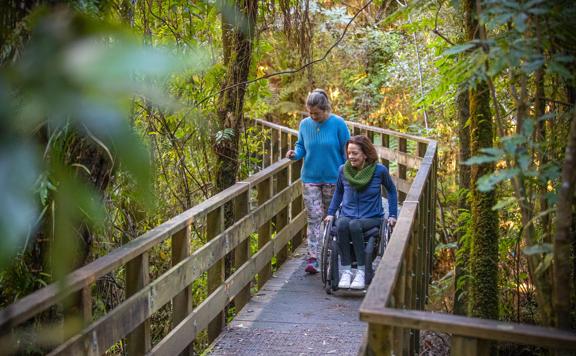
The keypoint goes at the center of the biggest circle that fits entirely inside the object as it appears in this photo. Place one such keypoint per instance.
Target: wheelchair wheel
(334, 273)
(384, 237)
(325, 254)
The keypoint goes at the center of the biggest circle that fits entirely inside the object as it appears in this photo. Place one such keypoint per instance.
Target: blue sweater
(368, 202)
(323, 148)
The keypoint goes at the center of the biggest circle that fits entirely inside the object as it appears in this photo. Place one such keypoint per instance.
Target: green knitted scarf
(359, 179)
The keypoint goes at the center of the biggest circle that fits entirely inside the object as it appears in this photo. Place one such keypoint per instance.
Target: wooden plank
(472, 327)
(400, 157)
(297, 205)
(462, 345)
(215, 225)
(277, 127)
(242, 252)
(44, 298)
(264, 232)
(379, 340)
(137, 277)
(389, 132)
(282, 217)
(388, 271)
(402, 147)
(275, 146)
(151, 298)
(182, 302)
(385, 145)
(176, 340)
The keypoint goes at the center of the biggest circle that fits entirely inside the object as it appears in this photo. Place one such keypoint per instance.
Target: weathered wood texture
(130, 319)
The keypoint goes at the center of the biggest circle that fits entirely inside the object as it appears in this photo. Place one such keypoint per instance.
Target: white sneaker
(345, 280)
(358, 282)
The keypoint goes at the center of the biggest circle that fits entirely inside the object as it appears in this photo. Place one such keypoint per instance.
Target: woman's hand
(290, 154)
(328, 219)
(392, 221)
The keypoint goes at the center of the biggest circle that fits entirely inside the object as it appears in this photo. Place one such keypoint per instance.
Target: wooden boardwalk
(293, 315)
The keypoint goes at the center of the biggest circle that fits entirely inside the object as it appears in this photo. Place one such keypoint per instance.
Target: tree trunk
(461, 263)
(231, 100)
(564, 237)
(484, 238)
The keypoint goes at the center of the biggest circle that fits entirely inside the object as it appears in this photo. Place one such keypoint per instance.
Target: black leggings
(351, 230)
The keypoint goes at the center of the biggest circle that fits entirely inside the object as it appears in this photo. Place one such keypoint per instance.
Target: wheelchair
(375, 242)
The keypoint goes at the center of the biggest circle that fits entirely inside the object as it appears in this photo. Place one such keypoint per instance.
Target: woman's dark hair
(319, 99)
(366, 146)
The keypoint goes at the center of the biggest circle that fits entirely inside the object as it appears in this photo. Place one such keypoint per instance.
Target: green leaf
(520, 22)
(459, 49)
(524, 162)
(487, 182)
(480, 160)
(503, 203)
(537, 249)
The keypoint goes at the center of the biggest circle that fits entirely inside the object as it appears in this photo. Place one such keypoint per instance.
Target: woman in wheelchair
(358, 194)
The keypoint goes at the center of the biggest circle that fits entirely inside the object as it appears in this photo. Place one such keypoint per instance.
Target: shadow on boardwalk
(293, 315)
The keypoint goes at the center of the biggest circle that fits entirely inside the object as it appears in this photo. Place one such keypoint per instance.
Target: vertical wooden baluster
(282, 217)
(137, 276)
(275, 146)
(264, 193)
(242, 252)
(463, 345)
(182, 303)
(215, 225)
(385, 143)
(402, 147)
(297, 205)
(284, 144)
(380, 340)
(267, 160)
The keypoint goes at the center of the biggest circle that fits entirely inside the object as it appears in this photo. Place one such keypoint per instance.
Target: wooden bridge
(265, 285)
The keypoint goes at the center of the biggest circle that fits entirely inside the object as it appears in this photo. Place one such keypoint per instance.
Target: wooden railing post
(402, 147)
(462, 345)
(215, 225)
(297, 205)
(385, 143)
(264, 192)
(138, 341)
(379, 340)
(267, 151)
(282, 217)
(182, 303)
(242, 252)
(275, 143)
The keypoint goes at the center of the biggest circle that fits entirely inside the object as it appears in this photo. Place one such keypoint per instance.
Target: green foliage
(75, 77)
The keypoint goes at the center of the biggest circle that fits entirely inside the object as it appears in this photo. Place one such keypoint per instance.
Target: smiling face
(356, 156)
(317, 114)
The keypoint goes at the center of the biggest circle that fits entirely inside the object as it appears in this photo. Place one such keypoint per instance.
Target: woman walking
(321, 143)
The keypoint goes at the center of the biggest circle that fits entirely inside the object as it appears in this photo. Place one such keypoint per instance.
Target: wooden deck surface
(293, 315)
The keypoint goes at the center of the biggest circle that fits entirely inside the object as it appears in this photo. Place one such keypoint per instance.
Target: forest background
(117, 115)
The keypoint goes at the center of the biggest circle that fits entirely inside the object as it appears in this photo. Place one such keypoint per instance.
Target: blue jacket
(323, 147)
(368, 202)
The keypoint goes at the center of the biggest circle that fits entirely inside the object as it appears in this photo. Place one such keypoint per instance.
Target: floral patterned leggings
(317, 198)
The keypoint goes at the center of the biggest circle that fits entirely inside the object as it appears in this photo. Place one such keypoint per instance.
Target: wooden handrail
(129, 317)
(472, 327)
(392, 306)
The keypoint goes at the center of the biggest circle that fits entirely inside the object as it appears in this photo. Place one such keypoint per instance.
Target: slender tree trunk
(484, 244)
(461, 264)
(231, 100)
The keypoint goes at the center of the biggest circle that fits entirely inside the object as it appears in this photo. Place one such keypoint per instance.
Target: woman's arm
(299, 149)
(338, 194)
